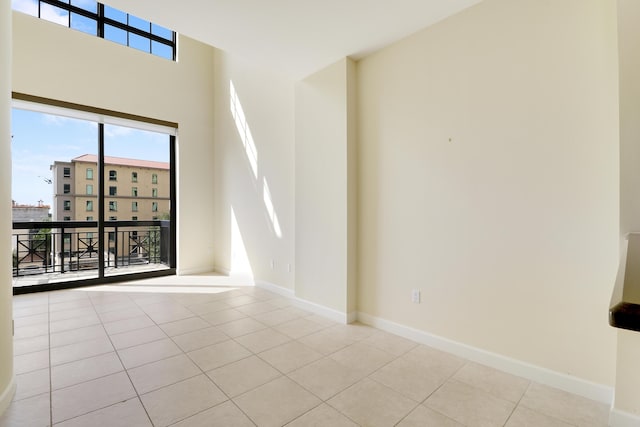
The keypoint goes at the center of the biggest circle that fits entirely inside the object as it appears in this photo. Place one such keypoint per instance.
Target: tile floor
(242, 356)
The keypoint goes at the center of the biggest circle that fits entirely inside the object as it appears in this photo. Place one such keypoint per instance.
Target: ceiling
(297, 37)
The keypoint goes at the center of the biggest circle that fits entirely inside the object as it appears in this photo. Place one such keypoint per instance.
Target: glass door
(91, 201)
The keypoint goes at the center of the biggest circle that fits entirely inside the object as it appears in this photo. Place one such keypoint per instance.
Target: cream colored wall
(627, 398)
(489, 181)
(7, 386)
(629, 46)
(324, 272)
(95, 72)
(248, 244)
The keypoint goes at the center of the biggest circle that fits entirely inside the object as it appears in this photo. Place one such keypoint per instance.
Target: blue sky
(40, 139)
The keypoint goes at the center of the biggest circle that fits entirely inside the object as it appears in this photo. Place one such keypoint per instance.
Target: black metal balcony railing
(71, 246)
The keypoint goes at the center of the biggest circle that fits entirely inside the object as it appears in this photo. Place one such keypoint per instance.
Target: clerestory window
(105, 22)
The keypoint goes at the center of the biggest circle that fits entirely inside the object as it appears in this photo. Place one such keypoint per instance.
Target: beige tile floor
(242, 356)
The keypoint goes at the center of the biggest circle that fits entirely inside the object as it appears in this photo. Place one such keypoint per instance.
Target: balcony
(50, 254)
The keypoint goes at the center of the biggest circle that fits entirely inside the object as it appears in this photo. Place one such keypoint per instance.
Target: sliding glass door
(93, 202)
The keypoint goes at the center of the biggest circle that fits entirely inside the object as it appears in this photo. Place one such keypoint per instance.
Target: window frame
(103, 21)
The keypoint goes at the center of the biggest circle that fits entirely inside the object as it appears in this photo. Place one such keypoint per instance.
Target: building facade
(134, 189)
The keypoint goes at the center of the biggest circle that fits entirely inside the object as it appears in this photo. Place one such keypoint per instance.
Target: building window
(112, 236)
(66, 205)
(154, 192)
(134, 176)
(89, 173)
(113, 206)
(113, 191)
(113, 175)
(67, 218)
(134, 206)
(89, 189)
(89, 206)
(134, 218)
(106, 22)
(154, 207)
(113, 218)
(154, 178)
(67, 189)
(134, 191)
(66, 172)
(89, 235)
(89, 218)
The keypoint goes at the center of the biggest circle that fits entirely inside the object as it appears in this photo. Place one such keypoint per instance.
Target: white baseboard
(223, 271)
(618, 418)
(7, 395)
(194, 271)
(285, 292)
(329, 313)
(538, 374)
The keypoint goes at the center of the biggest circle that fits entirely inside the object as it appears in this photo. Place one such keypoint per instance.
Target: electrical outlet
(415, 296)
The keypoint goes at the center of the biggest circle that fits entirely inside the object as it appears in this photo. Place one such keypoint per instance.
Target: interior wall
(323, 176)
(253, 172)
(627, 398)
(629, 46)
(6, 301)
(91, 71)
(489, 181)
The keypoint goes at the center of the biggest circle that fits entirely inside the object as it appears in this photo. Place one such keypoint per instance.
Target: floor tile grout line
(271, 327)
(517, 404)
(229, 399)
(125, 371)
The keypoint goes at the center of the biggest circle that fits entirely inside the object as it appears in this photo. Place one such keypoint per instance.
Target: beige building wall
(627, 398)
(326, 211)
(124, 184)
(489, 181)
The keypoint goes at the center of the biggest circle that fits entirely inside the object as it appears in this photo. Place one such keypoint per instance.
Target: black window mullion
(101, 187)
(71, 8)
(102, 21)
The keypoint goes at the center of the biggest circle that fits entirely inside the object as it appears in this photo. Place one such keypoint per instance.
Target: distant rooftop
(122, 161)
(40, 205)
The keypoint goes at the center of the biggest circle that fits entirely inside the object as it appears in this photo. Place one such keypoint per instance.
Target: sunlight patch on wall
(243, 130)
(240, 265)
(271, 213)
(252, 156)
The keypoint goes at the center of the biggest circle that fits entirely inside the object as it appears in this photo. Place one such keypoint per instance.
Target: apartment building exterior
(134, 189)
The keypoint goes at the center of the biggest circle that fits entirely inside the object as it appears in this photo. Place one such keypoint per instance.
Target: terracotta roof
(122, 161)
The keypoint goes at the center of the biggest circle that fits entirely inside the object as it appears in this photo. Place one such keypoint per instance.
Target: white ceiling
(298, 37)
